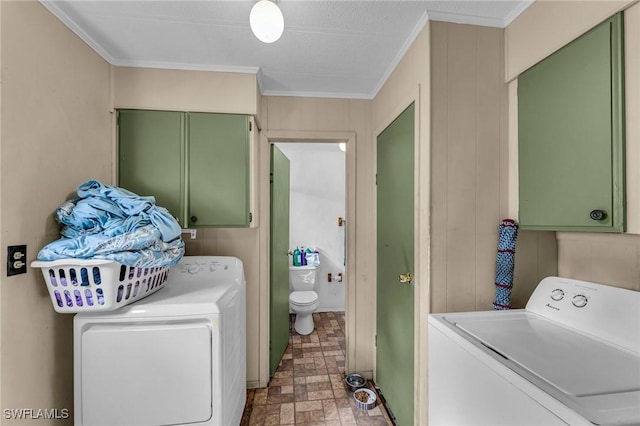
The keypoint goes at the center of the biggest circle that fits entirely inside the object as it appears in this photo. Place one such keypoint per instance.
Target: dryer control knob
(579, 300)
(557, 294)
(193, 268)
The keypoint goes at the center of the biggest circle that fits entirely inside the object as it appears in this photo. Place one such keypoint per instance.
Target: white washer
(572, 356)
(175, 357)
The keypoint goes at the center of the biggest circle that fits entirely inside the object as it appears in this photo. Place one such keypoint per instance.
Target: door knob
(598, 214)
(405, 278)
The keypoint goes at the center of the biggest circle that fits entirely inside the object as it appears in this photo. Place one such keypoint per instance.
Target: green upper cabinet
(218, 169)
(571, 136)
(197, 165)
(151, 156)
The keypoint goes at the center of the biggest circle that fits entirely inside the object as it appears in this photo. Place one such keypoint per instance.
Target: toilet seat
(303, 298)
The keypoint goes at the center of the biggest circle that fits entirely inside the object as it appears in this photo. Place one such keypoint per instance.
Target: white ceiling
(330, 48)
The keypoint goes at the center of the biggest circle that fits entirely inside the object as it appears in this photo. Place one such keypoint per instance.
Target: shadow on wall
(536, 258)
(63, 372)
(331, 294)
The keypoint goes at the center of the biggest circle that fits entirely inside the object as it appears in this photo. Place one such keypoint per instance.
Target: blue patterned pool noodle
(508, 234)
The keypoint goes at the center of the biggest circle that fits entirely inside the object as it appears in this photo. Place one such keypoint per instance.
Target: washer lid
(576, 364)
(302, 298)
(598, 380)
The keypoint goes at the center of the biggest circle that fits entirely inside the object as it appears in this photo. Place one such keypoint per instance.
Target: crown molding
(185, 66)
(466, 19)
(338, 95)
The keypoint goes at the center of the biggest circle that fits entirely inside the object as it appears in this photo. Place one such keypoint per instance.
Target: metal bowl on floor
(354, 381)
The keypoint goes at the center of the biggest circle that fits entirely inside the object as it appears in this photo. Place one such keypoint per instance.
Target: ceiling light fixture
(266, 21)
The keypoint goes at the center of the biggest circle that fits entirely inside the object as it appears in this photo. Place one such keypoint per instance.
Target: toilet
(303, 301)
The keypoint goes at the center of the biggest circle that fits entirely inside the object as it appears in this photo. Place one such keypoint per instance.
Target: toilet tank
(302, 278)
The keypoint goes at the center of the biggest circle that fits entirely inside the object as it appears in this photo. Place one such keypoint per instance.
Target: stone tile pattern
(308, 386)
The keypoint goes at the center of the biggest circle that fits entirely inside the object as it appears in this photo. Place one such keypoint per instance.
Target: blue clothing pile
(107, 222)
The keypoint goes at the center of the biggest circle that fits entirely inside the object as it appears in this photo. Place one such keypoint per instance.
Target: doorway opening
(267, 139)
(317, 220)
(308, 202)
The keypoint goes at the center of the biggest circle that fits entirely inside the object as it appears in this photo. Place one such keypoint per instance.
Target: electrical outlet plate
(16, 260)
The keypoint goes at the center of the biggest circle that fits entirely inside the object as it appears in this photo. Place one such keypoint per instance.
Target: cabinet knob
(598, 214)
(193, 219)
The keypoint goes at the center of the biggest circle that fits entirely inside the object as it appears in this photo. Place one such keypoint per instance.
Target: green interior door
(279, 279)
(395, 213)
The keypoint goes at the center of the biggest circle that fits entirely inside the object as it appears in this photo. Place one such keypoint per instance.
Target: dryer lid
(197, 285)
(303, 297)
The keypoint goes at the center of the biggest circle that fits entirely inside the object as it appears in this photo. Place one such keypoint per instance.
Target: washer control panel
(605, 311)
(578, 300)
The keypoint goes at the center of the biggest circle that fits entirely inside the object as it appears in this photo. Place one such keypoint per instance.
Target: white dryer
(572, 356)
(177, 357)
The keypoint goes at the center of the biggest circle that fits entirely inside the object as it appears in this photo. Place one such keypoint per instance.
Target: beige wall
(176, 90)
(611, 259)
(410, 82)
(317, 118)
(536, 258)
(606, 258)
(470, 174)
(55, 133)
(1, 239)
(291, 114)
(547, 25)
(51, 78)
(632, 118)
(173, 90)
(469, 164)
(455, 74)
(242, 243)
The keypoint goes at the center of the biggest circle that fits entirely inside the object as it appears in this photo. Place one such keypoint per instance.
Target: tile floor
(308, 386)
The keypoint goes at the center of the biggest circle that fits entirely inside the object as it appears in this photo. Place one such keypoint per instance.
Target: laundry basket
(93, 285)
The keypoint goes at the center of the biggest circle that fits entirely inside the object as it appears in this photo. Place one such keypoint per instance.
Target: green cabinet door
(571, 136)
(151, 156)
(195, 164)
(218, 171)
